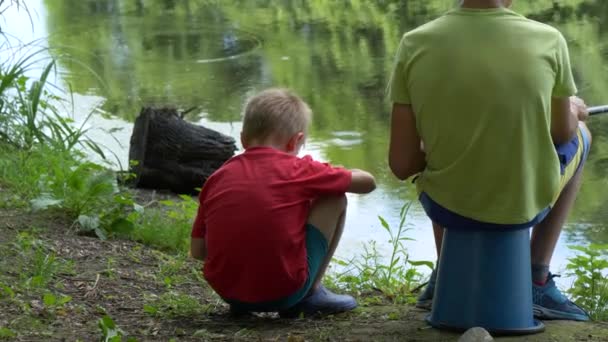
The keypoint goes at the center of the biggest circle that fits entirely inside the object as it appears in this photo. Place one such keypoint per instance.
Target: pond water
(117, 55)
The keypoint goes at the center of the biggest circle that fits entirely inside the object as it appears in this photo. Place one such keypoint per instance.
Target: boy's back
(253, 214)
(495, 73)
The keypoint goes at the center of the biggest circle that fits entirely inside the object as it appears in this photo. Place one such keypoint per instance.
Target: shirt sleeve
(198, 228)
(564, 80)
(321, 179)
(398, 91)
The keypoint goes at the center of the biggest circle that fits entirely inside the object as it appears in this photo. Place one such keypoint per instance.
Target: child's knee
(326, 214)
(330, 204)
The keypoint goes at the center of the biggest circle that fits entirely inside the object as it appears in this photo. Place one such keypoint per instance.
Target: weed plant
(369, 273)
(590, 287)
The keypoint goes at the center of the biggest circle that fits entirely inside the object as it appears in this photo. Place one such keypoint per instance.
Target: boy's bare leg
(549, 302)
(438, 233)
(546, 234)
(328, 215)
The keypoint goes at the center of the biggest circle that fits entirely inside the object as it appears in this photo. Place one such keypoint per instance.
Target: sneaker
(425, 300)
(550, 303)
(321, 301)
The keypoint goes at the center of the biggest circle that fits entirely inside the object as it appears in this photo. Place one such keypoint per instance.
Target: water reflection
(336, 54)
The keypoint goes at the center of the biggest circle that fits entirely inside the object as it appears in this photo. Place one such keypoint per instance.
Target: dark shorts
(316, 251)
(572, 155)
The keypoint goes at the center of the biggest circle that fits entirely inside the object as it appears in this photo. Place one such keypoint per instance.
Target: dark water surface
(335, 54)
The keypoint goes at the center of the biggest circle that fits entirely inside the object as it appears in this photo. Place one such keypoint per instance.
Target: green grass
(34, 262)
(24, 172)
(370, 273)
(590, 289)
(172, 305)
(168, 225)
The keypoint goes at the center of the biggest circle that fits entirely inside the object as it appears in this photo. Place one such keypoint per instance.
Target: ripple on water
(192, 45)
(346, 139)
(204, 45)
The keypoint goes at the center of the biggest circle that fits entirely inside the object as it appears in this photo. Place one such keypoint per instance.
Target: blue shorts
(316, 252)
(572, 155)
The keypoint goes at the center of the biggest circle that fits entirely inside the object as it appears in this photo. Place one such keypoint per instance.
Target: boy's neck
(268, 145)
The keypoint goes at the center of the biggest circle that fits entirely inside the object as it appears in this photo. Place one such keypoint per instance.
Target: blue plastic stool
(484, 280)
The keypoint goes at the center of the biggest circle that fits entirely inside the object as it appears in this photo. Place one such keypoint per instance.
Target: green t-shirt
(480, 83)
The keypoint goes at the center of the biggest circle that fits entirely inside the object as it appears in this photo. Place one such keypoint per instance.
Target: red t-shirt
(252, 215)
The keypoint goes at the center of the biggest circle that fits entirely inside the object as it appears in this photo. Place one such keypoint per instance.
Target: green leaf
(49, 299)
(88, 223)
(108, 322)
(44, 202)
(578, 248)
(122, 226)
(384, 223)
(111, 332)
(339, 262)
(149, 309)
(101, 234)
(64, 300)
(138, 208)
(167, 281)
(406, 239)
(415, 263)
(599, 247)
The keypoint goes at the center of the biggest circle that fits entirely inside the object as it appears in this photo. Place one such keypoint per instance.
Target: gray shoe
(425, 300)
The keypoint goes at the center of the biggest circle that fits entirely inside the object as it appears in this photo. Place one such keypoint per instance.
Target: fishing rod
(598, 110)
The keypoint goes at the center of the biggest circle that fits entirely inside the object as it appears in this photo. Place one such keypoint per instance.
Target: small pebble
(476, 335)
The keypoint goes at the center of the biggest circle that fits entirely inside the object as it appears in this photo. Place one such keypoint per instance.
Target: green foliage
(111, 332)
(6, 292)
(116, 218)
(30, 115)
(172, 270)
(590, 288)
(79, 190)
(6, 333)
(35, 264)
(55, 304)
(168, 226)
(46, 179)
(368, 272)
(172, 304)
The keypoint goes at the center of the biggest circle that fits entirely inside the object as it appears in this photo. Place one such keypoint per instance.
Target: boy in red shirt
(269, 222)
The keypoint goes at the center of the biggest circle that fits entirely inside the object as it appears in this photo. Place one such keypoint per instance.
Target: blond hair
(276, 113)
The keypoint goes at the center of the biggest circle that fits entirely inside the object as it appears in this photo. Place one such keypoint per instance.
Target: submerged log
(167, 152)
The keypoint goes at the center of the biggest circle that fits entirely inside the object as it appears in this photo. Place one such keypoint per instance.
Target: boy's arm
(198, 248)
(198, 245)
(362, 182)
(405, 157)
(566, 110)
(565, 115)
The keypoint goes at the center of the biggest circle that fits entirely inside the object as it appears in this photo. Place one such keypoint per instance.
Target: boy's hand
(579, 108)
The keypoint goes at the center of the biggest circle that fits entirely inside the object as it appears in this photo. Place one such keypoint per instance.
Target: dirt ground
(153, 296)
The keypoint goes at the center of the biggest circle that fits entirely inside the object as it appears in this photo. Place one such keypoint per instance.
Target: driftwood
(168, 152)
